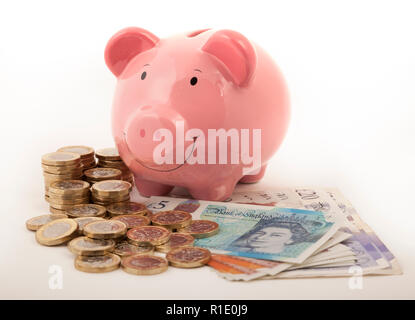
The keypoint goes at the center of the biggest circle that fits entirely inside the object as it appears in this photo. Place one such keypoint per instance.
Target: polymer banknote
(260, 232)
(373, 257)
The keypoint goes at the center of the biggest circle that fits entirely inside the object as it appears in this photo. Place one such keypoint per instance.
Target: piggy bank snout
(146, 130)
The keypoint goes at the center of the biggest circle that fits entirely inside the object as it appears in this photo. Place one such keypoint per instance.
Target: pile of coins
(110, 191)
(128, 237)
(65, 194)
(60, 166)
(112, 231)
(110, 158)
(87, 155)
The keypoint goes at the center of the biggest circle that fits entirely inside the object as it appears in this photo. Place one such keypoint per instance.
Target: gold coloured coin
(49, 181)
(83, 151)
(127, 249)
(73, 174)
(61, 158)
(113, 198)
(129, 178)
(188, 257)
(69, 187)
(108, 154)
(72, 201)
(108, 229)
(101, 203)
(50, 177)
(99, 174)
(172, 219)
(176, 240)
(144, 264)
(61, 206)
(127, 208)
(57, 211)
(107, 202)
(133, 220)
(98, 264)
(55, 196)
(84, 246)
(56, 232)
(89, 161)
(35, 223)
(145, 235)
(62, 170)
(201, 228)
(86, 210)
(89, 164)
(110, 188)
(84, 220)
(113, 164)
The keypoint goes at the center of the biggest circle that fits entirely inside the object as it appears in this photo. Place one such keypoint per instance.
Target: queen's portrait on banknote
(272, 236)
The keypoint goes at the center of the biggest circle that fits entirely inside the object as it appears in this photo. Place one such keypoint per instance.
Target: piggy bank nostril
(142, 133)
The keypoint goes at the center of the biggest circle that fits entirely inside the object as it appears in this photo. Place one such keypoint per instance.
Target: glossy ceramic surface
(197, 81)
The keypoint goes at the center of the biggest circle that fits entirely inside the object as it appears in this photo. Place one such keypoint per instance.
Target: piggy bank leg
(252, 178)
(150, 188)
(213, 192)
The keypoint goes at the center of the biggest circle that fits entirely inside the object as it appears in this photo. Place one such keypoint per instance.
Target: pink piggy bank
(201, 110)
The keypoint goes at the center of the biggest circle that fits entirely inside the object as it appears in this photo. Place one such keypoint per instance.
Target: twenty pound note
(261, 232)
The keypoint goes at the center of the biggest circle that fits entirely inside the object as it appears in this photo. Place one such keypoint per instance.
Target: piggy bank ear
(125, 45)
(235, 54)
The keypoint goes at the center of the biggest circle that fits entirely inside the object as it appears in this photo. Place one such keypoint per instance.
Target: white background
(350, 66)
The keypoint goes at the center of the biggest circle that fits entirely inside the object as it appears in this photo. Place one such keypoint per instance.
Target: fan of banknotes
(286, 233)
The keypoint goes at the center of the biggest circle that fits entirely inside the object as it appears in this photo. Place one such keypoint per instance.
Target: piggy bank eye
(193, 81)
(143, 75)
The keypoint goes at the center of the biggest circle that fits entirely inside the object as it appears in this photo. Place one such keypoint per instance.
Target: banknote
(301, 197)
(331, 202)
(241, 268)
(347, 263)
(260, 232)
(351, 214)
(368, 260)
(337, 251)
(342, 261)
(284, 198)
(338, 237)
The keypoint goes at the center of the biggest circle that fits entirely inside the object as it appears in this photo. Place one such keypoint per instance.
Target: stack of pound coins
(87, 155)
(60, 166)
(110, 158)
(63, 195)
(101, 174)
(110, 191)
(93, 251)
